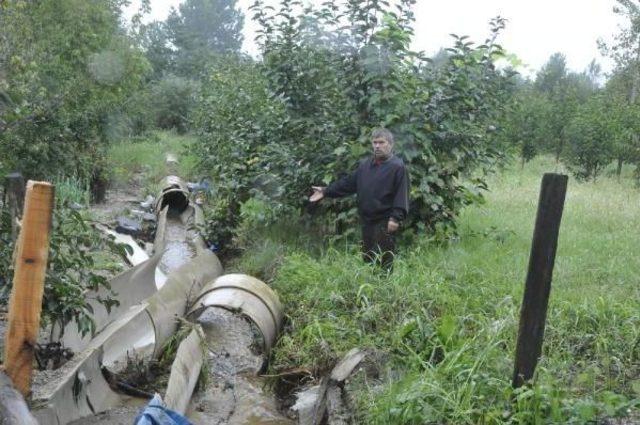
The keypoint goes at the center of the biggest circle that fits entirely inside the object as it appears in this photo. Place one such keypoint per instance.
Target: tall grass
(72, 190)
(146, 158)
(446, 319)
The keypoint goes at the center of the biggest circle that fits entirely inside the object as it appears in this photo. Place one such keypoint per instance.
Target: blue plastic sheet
(156, 414)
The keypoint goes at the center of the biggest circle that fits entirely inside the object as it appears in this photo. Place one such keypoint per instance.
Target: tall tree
(202, 29)
(552, 74)
(564, 91)
(590, 134)
(156, 42)
(625, 51)
(67, 69)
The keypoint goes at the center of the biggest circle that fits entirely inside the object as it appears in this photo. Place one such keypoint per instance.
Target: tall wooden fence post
(14, 197)
(538, 285)
(25, 303)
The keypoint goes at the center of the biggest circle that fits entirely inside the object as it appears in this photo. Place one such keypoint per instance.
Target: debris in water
(128, 226)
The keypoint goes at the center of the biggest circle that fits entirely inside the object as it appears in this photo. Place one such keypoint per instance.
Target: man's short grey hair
(382, 133)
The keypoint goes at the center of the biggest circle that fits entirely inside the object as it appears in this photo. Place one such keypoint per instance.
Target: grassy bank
(446, 320)
(145, 159)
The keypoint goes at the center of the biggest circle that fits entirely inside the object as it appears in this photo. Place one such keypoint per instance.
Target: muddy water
(234, 393)
(178, 251)
(123, 415)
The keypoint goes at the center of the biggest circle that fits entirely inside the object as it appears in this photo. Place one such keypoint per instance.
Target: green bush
(304, 114)
(172, 99)
(68, 68)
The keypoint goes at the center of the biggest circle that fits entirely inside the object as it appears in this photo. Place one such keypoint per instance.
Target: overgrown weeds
(146, 156)
(447, 317)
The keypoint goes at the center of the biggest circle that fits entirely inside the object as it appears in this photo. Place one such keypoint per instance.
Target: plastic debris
(148, 202)
(128, 226)
(157, 414)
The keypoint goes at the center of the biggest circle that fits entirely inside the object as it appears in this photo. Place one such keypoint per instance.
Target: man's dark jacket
(382, 188)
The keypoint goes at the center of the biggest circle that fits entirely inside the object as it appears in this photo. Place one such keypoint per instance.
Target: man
(382, 185)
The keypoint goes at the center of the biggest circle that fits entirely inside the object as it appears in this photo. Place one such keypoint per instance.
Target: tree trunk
(98, 187)
(619, 169)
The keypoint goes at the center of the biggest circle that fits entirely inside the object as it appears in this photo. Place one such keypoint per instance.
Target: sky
(535, 29)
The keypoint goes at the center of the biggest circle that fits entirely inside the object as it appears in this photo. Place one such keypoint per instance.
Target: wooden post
(14, 196)
(25, 303)
(538, 285)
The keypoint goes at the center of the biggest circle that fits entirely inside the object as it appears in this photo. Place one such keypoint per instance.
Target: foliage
(563, 91)
(329, 75)
(200, 30)
(527, 124)
(625, 51)
(172, 99)
(143, 160)
(235, 115)
(72, 271)
(446, 320)
(590, 134)
(156, 42)
(67, 70)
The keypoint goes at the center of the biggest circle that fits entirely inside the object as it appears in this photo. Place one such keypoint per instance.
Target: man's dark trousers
(378, 245)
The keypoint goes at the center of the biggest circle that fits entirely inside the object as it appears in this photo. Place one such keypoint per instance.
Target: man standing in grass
(381, 183)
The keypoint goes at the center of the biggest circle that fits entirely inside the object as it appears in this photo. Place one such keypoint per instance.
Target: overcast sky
(534, 31)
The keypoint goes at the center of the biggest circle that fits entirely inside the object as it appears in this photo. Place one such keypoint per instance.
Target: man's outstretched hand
(318, 193)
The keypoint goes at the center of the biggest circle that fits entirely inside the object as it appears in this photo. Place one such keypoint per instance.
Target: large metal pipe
(174, 193)
(139, 333)
(240, 317)
(136, 327)
(247, 295)
(145, 279)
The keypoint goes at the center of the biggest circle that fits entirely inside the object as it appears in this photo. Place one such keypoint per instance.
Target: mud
(124, 415)
(235, 394)
(119, 200)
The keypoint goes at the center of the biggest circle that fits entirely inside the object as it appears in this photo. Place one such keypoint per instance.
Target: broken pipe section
(240, 316)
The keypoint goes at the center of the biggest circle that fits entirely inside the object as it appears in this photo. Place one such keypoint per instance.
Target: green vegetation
(143, 159)
(583, 120)
(447, 317)
(86, 101)
(76, 258)
(329, 75)
(67, 70)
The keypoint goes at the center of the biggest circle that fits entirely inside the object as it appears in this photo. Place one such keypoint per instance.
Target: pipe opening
(175, 198)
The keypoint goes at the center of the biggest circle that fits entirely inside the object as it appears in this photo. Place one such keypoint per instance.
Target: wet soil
(119, 200)
(123, 415)
(234, 393)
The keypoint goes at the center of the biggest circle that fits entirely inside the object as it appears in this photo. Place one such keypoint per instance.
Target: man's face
(381, 148)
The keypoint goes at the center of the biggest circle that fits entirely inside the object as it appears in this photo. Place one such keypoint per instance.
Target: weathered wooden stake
(28, 285)
(14, 197)
(538, 285)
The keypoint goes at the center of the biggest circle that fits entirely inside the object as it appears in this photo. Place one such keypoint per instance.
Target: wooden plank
(538, 284)
(25, 303)
(185, 371)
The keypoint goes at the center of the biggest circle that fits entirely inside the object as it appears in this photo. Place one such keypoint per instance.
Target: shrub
(172, 99)
(304, 114)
